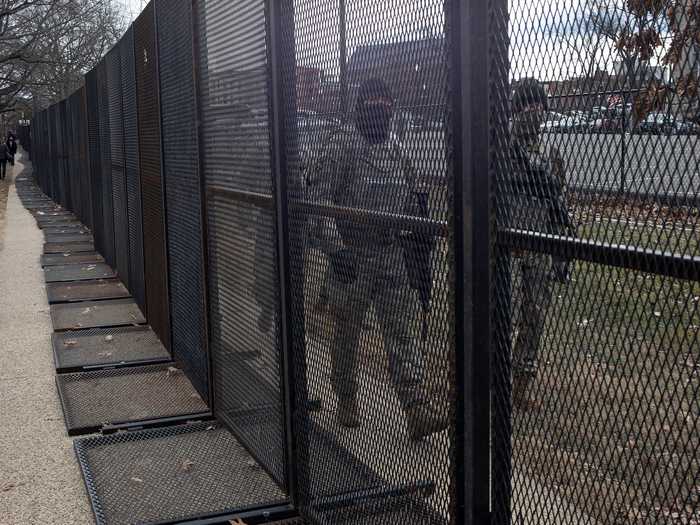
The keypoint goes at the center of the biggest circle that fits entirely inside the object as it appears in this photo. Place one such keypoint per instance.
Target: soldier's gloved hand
(343, 266)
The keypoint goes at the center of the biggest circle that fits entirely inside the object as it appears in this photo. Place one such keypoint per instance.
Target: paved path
(40, 481)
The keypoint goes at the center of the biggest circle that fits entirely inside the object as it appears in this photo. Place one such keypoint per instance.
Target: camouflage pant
(395, 303)
(532, 295)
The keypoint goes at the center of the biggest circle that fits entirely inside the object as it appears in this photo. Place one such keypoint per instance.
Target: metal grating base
(171, 475)
(58, 259)
(105, 347)
(78, 272)
(68, 247)
(71, 228)
(351, 492)
(67, 237)
(93, 400)
(86, 291)
(96, 314)
(54, 214)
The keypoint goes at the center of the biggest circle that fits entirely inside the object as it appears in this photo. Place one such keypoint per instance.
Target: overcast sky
(537, 28)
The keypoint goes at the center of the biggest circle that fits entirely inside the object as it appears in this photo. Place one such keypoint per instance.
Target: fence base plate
(69, 292)
(122, 396)
(68, 247)
(96, 314)
(107, 347)
(78, 272)
(173, 474)
(58, 259)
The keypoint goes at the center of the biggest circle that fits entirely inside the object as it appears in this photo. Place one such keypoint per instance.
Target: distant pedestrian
(12, 148)
(4, 158)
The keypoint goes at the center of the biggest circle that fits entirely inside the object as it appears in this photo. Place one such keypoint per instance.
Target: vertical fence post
(283, 134)
(468, 33)
(501, 397)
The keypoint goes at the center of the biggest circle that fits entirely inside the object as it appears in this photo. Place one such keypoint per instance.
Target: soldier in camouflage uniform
(535, 202)
(362, 168)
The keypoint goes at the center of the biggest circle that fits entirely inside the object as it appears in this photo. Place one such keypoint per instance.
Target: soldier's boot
(423, 420)
(521, 393)
(348, 413)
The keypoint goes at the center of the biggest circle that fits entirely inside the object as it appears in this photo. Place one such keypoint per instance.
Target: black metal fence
(407, 321)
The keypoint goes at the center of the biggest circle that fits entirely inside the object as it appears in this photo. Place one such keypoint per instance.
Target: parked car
(657, 124)
(572, 125)
(609, 120)
(685, 127)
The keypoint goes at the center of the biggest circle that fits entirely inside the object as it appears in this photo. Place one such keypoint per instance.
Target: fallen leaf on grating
(108, 338)
(187, 465)
(86, 311)
(210, 427)
(70, 342)
(173, 371)
(7, 487)
(253, 465)
(137, 480)
(105, 354)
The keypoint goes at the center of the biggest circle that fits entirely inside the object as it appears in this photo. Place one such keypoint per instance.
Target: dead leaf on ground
(187, 465)
(173, 371)
(108, 338)
(137, 480)
(7, 487)
(253, 465)
(70, 342)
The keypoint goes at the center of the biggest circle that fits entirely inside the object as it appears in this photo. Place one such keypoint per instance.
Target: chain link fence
(429, 261)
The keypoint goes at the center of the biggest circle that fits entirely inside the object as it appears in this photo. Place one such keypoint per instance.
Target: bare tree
(665, 30)
(47, 45)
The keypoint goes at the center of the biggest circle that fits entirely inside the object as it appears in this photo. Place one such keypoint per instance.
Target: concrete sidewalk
(40, 481)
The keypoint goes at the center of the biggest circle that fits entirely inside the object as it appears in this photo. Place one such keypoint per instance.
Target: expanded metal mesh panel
(70, 258)
(84, 148)
(182, 190)
(245, 336)
(116, 137)
(50, 152)
(96, 314)
(137, 283)
(245, 343)
(598, 264)
(65, 292)
(77, 272)
(92, 400)
(154, 245)
(102, 347)
(186, 472)
(370, 268)
(94, 163)
(105, 242)
(61, 155)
